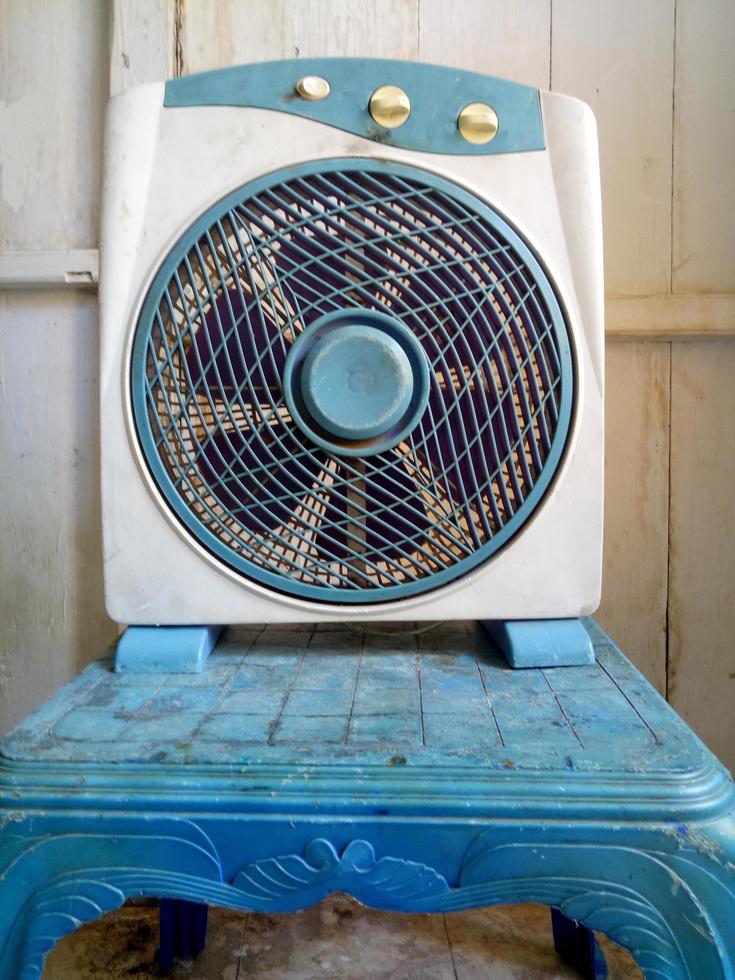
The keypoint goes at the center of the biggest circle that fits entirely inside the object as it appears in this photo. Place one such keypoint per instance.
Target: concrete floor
(337, 940)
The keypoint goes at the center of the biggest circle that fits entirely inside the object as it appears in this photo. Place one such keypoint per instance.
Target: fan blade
(315, 277)
(382, 515)
(257, 481)
(397, 512)
(470, 426)
(234, 340)
(467, 468)
(331, 538)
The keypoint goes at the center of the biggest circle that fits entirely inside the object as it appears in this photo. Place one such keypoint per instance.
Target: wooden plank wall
(53, 88)
(701, 635)
(659, 75)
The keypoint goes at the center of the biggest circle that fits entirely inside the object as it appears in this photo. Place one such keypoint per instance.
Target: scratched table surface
(367, 695)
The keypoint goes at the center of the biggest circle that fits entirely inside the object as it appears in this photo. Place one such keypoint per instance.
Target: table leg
(577, 946)
(183, 931)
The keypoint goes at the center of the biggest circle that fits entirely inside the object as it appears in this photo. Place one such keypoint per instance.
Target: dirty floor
(337, 940)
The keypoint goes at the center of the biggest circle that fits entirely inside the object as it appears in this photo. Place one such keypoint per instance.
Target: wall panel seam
(673, 156)
(418, 30)
(551, 42)
(668, 523)
(178, 59)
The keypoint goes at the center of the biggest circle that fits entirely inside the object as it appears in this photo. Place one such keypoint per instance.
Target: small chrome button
(478, 123)
(389, 106)
(313, 88)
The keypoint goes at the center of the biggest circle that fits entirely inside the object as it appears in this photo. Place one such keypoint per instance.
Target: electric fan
(352, 348)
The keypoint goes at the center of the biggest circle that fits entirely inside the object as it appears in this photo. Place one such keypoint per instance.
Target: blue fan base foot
(542, 642)
(165, 649)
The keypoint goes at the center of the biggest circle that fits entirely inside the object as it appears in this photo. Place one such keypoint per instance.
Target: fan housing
(352, 381)
(349, 371)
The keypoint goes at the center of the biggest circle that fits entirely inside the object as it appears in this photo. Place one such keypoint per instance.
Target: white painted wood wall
(661, 78)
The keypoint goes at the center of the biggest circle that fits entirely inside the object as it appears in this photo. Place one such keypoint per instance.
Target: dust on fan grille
(266, 269)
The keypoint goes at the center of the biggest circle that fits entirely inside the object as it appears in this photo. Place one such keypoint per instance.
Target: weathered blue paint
(542, 642)
(416, 772)
(165, 649)
(437, 97)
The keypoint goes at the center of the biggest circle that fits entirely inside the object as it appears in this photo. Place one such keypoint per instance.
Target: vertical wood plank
(217, 33)
(143, 42)
(633, 608)
(53, 89)
(511, 40)
(702, 577)
(353, 28)
(704, 147)
(52, 617)
(618, 57)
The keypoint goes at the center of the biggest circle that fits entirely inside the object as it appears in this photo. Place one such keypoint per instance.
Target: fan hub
(356, 382)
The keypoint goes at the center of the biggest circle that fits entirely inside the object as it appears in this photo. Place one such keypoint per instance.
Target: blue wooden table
(414, 771)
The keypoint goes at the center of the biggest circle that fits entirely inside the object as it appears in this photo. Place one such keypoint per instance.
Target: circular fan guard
(214, 334)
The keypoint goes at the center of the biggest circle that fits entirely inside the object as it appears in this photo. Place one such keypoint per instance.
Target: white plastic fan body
(166, 166)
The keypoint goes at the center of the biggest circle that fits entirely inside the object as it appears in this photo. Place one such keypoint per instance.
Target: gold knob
(478, 123)
(312, 88)
(389, 106)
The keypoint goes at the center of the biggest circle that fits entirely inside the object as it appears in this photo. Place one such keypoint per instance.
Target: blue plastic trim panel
(437, 97)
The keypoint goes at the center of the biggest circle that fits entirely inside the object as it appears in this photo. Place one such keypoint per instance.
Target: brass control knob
(389, 106)
(312, 88)
(478, 123)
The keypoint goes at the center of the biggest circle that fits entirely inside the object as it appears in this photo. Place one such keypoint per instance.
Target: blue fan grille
(212, 339)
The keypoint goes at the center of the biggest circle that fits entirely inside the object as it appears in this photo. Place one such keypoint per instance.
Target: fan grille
(209, 352)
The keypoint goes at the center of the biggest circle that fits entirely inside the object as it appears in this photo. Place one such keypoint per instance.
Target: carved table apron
(414, 771)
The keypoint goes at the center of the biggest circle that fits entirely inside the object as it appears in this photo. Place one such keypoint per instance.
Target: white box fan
(352, 348)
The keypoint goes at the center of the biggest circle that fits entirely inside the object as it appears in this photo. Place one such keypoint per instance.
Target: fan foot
(542, 642)
(165, 649)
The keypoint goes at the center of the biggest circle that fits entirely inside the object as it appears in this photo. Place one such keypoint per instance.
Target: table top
(401, 710)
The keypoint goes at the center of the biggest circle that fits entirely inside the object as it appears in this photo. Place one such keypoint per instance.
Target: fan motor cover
(224, 418)
(353, 379)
